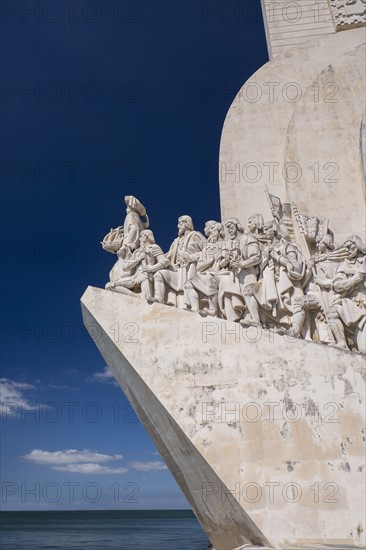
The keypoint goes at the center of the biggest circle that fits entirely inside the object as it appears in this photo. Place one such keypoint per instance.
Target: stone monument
(242, 349)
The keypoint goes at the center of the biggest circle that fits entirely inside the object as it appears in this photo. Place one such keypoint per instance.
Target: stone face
(264, 434)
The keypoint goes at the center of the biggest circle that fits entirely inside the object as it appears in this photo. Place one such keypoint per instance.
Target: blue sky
(98, 100)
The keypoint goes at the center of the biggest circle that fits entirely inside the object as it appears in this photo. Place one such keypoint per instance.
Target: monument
(243, 349)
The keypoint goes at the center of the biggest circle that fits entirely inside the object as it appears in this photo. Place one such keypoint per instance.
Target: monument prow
(262, 432)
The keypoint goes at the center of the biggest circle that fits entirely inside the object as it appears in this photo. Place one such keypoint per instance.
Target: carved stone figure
(124, 240)
(139, 269)
(255, 226)
(133, 225)
(169, 283)
(283, 270)
(324, 263)
(267, 293)
(242, 257)
(348, 310)
(204, 286)
(319, 292)
(269, 275)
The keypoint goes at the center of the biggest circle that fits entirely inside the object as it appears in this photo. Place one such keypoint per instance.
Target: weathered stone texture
(304, 107)
(290, 24)
(264, 435)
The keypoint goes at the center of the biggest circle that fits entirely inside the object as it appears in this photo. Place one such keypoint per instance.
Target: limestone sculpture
(286, 274)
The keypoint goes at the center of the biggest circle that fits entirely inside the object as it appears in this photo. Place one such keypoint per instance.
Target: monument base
(263, 433)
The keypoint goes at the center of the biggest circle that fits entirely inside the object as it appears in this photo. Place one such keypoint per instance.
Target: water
(99, 530)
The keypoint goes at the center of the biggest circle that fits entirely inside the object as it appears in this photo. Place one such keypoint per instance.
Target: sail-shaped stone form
(295, 128)
(263, 433)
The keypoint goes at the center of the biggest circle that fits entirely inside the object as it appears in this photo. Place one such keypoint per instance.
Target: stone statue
(348, 310)
(133, 225)
(204, 286)
(319, 292)
(256, 226)
(236, 290)
(286, 273)
(283, 271)
(124, 239)
(140, 267)
(169, 283)
(267, 293)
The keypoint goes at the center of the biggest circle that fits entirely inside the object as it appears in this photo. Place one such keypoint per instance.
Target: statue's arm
(254, 256)
(132, 262)
(196, 243)
(342, 283)
(296, 272)
(162, 263)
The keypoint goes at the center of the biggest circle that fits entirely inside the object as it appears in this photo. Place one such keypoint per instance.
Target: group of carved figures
(264, 275)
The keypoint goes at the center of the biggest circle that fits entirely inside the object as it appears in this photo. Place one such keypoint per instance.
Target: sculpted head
(273, 229)
(147, 236)
(185, 224)
(209, 227)
(233, 227)
(214, 230)
(255, 223)
(354, 246)
(134, 205)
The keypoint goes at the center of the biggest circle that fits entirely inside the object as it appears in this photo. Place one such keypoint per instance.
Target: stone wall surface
(304, 108)
(264, 434)
(336, 127)
(289, 24)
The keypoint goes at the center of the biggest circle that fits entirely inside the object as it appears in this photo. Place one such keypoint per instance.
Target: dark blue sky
(100, 99)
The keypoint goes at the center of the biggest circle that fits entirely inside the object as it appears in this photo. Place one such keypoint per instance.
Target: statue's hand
(237, 264)
(184, 256)
(359, 277)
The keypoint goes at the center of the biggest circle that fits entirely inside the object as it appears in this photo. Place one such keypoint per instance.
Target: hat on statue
(135, 204)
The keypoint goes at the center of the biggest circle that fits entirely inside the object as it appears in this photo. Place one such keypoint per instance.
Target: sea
(102, 530)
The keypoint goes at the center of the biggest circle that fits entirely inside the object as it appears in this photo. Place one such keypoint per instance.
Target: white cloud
(90, 469)
(12, 399)
(152, 466)
(104, 377)
(88, 462)
(69, 456)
